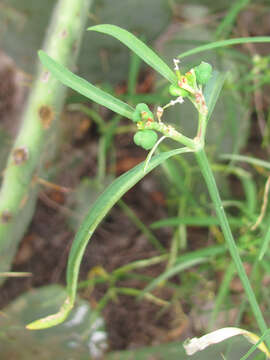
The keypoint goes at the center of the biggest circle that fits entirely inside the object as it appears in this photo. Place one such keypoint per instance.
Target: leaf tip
(52, 320)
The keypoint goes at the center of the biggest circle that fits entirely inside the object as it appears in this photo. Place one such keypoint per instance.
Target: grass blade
(247, 159)
(225, 27)
(204, 221)
(222, 43)
(185, 261)
(265, 244)
(84, 87)
(96, 214)
(138, 47)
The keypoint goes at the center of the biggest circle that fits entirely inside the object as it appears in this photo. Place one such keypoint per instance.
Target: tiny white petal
(180, 100)
(176, 62)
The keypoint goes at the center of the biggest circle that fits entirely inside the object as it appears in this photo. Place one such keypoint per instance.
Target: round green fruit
(142, 107)
(175, 90)
(203, 72)
(136, 116)
(146, 139)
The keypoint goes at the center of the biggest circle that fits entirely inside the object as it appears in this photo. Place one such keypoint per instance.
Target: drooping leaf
(95, 215)
(138, 47)
(84, 87)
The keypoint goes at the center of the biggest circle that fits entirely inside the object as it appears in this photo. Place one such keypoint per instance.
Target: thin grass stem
(214, 194)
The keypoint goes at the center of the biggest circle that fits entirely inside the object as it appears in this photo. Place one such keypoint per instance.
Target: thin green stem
(170, 132)
(214, 194)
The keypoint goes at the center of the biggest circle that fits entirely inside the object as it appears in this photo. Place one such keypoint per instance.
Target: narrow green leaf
(265, 244)
(212, 90)
(205, 221)
(96, 214)
(84, 87)
(227, 24)
(186, 261)
(248, 159)
(222, 43)
(138, 47)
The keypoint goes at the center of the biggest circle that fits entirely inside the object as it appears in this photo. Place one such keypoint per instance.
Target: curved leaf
(84, 87)
(96, 214)
(138, 47)
(222, 43)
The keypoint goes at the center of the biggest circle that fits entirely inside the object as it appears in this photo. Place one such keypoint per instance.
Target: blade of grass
(254, 347)
(248, 159)
(84, 87)
(214, 193)
(205, 221)
(134, 68)
(95, 215)
(139, 264)
(184, 262)
(138, 47)
(265, 244)
(222, 43)
(226, 25)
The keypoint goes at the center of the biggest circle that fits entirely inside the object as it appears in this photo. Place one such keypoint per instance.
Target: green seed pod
(142, 107)
(175, 90)
(136, 116)
(203, 72)
(146, 139)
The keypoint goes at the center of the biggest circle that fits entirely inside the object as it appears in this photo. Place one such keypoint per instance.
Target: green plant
(25, 164)
(202, 89)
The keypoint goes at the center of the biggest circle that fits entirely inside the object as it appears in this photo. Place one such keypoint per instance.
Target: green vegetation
(192, 169)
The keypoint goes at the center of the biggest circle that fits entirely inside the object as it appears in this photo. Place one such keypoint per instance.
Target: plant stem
(36, 139)
(214, 194)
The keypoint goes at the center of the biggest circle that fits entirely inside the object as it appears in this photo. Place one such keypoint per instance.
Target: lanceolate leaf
(84, 87)
(138, 47)
(96, 214)
(222, 43)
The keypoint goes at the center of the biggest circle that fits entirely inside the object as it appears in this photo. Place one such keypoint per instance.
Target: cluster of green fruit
(203, 73)
(144, 138)
(147, 138)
